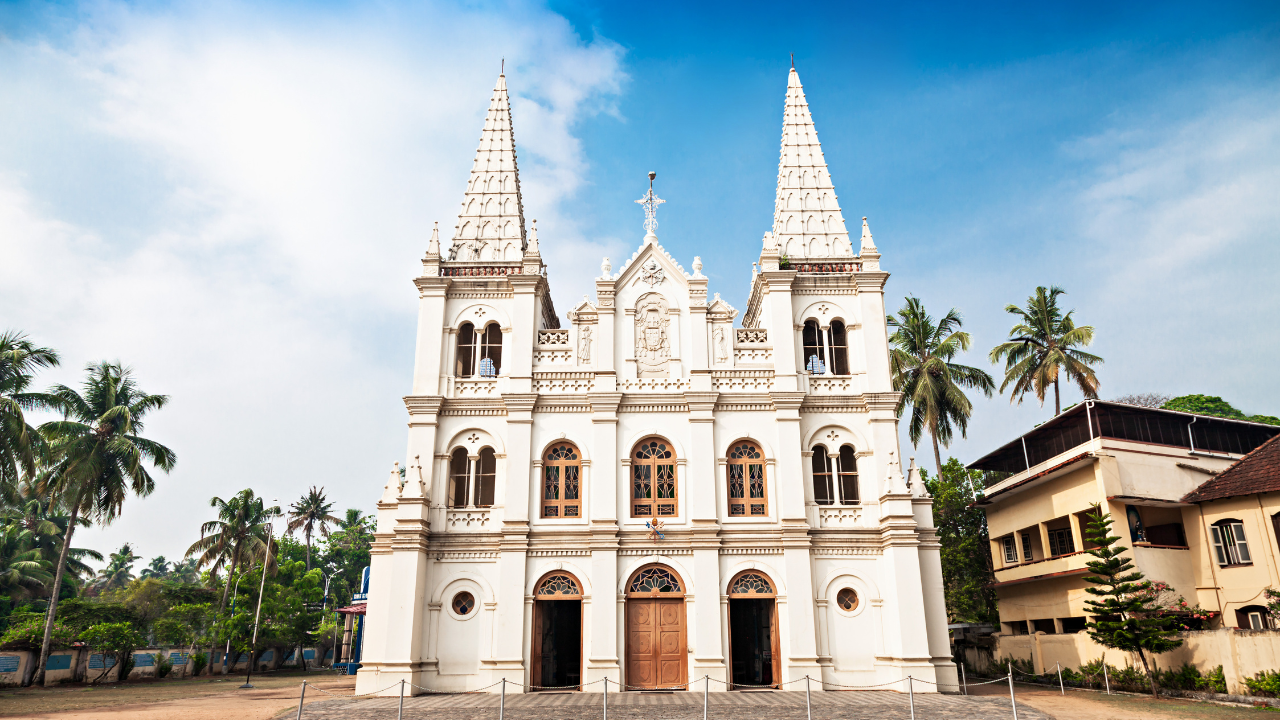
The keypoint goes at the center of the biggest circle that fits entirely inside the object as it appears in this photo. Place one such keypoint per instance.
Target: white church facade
(650, 493)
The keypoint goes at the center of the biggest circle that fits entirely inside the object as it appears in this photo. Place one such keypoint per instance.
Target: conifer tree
(1124, 615)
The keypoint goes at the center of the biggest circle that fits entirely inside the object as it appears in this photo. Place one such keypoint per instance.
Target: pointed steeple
(806, 215)
(491, 222)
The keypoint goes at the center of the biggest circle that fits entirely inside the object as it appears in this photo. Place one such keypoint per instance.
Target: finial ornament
(532, 248)
(433, 246)
(793, 61)
(606, 267)
(650, 203)
(697, 266)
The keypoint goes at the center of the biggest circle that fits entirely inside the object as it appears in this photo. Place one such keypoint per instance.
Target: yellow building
(1239, 528)
(1140, 465)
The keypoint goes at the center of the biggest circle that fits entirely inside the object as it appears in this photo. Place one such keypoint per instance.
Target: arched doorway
(753, 630)
(557, 631)
(656, 655)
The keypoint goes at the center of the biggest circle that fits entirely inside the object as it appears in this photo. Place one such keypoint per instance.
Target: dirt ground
(197, 699)
(1083, 705)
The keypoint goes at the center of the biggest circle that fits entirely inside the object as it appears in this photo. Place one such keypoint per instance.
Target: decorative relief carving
(742, 380)
(752, 336)
(721, 346)
(467, 519)
(552, 356)
(743, 356)
(831, 386)
(563, 382)
(476, 388)
(840, 517)
(653, 343)
(553, 337)
(584, 344)
(651, 272)
(658, 384)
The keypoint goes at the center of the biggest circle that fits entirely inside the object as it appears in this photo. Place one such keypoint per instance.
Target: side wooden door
(672, 657)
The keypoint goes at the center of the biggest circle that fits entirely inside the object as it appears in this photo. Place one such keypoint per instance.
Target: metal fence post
(1012, 700)
(400, 710)
(911, 698)
(808, 707)
(1106, 679)
(706, 688)
(502, 699)
(1061, 688)
(606, 699)
(302, 697)
(964, 683)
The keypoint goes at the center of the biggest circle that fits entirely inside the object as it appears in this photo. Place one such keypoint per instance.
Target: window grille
(746, 481)
(1061, 542)
(655, 580)
(653, 480)
(558, 584)
(1010, 552)
(561, 469)
(751, 583)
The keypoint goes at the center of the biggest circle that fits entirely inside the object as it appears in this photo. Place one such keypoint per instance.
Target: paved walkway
(868, 705)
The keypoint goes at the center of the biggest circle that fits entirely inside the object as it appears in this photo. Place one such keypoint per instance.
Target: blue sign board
(9, 663)
(58, 662)
(95, 662)
(178, 658)
(266, 656)
(144, 660)
(308, 654)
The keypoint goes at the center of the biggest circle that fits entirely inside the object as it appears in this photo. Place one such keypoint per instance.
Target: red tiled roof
(357, 609)
(1257, 472)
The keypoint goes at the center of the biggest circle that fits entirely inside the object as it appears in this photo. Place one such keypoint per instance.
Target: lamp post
(266, 555)
(233, 612)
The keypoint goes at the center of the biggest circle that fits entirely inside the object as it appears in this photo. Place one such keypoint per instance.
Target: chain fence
(906, 684)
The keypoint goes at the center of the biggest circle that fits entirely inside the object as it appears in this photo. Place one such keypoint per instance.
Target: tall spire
(806, 215)
(491, 222)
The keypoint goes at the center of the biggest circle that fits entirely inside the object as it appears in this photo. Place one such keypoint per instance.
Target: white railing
(742, 380)
(553, 337)
(564, 382)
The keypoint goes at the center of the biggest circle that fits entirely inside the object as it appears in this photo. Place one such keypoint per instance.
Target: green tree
(46, 524)
(118, 640)
(920, 359)
(186, 571)
(119, 570)
(23, 572)
(1042, 347)
(1125, 616)
(347, 552)
(967, 574)
(97, 456)
(20, 359)
(1215, 406)
(158, 568)
(309, 514)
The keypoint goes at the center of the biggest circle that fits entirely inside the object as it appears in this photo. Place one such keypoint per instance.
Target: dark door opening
(559, 643)
(751, 641)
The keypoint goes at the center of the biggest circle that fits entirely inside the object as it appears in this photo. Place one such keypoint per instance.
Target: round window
(847, 599)
(463, 602)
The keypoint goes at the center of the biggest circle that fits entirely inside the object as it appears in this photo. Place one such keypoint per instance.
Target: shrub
(199, 661)
(118, 639)
(1186, 677)
(1216, 681)
(163, 664)
(29, 635)
(1265, 683)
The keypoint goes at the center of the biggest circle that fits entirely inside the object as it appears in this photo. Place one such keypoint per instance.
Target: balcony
(1058, 566)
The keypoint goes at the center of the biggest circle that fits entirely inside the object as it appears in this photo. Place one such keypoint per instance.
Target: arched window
(746, 481)
(653, 479)
(835, 478)
(561, 467)
(558, 586)
(471, 481)
(751, 584)
(479, 351)
(823, 489)
(815, 358)
(655, 580)
(848, 475)
(1229, 543)
(459, 477)
(839, 349)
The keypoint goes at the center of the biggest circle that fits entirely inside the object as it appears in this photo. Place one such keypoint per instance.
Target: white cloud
(234, 201)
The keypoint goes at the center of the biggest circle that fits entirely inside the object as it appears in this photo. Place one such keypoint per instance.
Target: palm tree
(920, 361)
(97, 456)
(19, 360)
(46, 524)
(186, 571)
(1042, 345)
(237, 536)
(310, 513)
(158, 568)
(22, 572)
(119, 569)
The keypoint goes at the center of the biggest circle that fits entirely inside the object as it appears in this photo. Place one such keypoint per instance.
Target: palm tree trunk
(937, 456)
(1057, 400)
(308, 551)
(53, 598)
(223, 606)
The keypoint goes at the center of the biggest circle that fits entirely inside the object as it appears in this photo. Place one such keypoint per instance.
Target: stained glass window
(746, 480)
(558, 584)
(751, 583)
(561, 466)
(654, 580)
(653, 479)
(847, 599)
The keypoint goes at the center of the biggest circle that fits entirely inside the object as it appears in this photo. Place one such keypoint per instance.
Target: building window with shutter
(746, 480)
(561, 490)
(1061, 542)
(1229, 545)
(1026, 547)
(1010, 551)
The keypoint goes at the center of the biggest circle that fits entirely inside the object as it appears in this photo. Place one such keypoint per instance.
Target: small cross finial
(793, 61)
(502, 69)
(650, 203)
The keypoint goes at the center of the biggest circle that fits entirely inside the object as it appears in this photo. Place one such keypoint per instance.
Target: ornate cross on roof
(650, 203)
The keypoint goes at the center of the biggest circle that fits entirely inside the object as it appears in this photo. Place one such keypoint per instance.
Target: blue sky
(232, 197)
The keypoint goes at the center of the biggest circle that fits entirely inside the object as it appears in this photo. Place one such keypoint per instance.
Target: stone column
(428, 370)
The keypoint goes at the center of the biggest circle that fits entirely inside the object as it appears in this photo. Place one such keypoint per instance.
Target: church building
(651, 493)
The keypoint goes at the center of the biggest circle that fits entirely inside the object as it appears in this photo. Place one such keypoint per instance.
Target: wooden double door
(656, 656)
